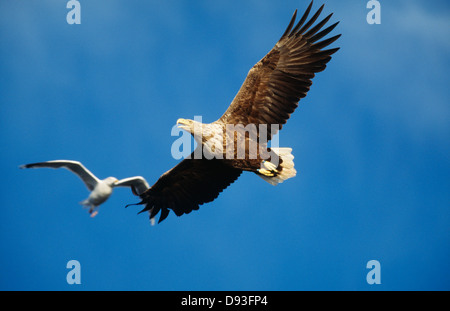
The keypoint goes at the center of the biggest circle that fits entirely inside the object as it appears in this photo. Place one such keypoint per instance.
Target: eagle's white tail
(285, 170)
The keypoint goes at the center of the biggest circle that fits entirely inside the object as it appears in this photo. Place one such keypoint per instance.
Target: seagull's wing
(74, 166)
(138, 184)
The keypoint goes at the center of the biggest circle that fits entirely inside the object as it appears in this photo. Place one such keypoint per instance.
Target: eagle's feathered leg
(276, 174)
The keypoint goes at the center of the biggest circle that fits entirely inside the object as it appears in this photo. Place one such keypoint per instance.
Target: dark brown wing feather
(187, 185)
(273, 87)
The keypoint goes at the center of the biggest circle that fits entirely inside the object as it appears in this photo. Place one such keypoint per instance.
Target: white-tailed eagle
(268, 96)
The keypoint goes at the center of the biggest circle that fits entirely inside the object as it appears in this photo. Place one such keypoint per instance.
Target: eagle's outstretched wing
(273, 87)
(187, 185)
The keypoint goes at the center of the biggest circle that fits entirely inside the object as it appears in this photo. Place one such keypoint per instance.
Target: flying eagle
(268, 96)
(100, 189)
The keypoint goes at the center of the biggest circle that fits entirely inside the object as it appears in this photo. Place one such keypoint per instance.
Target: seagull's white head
(110, 181)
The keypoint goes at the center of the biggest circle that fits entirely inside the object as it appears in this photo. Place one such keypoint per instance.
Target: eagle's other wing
(273, 87)
(89, 179)
(187, 185)
(138, 184)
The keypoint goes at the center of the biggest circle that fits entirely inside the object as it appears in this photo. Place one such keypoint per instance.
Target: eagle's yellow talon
(265, 172)
(269, 166)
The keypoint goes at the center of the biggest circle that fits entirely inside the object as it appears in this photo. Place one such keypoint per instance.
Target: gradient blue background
(371, 145)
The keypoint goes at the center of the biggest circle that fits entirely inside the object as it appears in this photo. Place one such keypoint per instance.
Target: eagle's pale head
(200, 131)
(196, 128)
(187, 125)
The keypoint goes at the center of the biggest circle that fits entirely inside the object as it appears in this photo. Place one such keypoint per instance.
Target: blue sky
(371, 145)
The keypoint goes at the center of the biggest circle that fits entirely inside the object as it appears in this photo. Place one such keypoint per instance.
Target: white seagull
(100, 189)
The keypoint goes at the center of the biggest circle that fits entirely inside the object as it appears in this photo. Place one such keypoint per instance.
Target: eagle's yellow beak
(182, 122)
